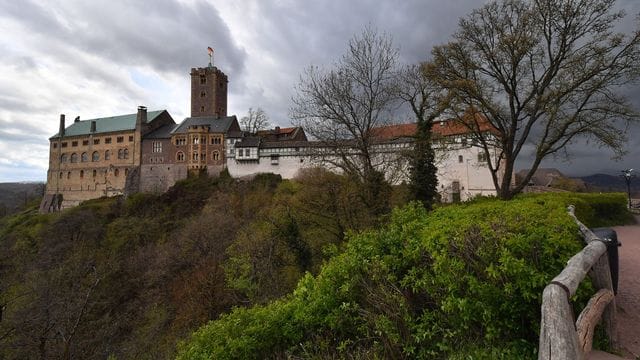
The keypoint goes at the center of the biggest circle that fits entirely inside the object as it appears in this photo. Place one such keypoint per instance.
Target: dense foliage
(463, 280)
(129, 277)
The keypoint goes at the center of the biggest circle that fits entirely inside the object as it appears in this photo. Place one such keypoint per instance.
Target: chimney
(93, 126)
(141, 118)
(61, 131)
(76, 119)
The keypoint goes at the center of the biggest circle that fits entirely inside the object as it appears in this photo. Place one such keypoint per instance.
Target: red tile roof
(448, 127)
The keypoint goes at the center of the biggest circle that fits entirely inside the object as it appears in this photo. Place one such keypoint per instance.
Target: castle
(148, 152)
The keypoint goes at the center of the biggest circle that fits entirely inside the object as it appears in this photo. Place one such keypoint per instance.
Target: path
(628, 297)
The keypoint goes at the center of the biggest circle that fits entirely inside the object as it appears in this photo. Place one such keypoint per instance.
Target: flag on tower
(210, 50)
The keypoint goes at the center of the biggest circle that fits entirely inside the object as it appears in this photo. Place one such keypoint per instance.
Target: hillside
(611, 183)
(14, 196)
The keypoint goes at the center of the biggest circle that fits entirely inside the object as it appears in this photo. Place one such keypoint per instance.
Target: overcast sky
(103, 58)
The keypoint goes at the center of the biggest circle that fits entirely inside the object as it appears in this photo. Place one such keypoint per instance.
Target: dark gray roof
(163, 132)
(252, 141)
(107, 124)
(289, 144)
(235, 134)
(219, 125)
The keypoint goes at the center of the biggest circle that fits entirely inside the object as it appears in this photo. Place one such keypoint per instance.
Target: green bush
(461, 280)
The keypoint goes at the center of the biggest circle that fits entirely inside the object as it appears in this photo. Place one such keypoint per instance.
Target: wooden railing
(560, 336)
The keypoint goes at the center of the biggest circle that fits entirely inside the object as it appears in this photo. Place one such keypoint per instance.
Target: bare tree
(542, 73)
(340, 107)
(254, 121)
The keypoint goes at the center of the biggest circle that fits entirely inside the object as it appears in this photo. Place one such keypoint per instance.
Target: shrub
(462, 280)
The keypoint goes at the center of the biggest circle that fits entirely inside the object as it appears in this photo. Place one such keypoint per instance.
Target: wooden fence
(561, 337)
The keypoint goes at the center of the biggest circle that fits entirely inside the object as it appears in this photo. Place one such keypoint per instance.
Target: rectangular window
(85, 142)
(107, 140)
(482, 157)
(247, 152)
(120, 139)
(74, 143)
(55, 145)
(130, 138)
(96, 141)
(64, 144)
(203, 79)
(157, 147)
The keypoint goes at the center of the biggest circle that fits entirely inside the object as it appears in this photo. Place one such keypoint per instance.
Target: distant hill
(15, 195)
(605, 182)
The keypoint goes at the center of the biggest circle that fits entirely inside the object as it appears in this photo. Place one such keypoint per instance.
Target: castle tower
(208, 92)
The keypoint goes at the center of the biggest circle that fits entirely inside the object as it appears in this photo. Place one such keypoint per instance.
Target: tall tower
(208, 92)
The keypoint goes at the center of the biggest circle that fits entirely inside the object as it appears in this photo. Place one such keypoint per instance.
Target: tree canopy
(543, 73)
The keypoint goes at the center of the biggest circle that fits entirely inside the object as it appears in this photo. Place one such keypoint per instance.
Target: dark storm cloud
(163, 34)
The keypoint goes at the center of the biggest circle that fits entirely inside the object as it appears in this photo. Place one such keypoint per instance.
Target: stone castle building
(147, 151)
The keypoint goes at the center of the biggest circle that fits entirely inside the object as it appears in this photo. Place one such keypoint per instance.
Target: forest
(274, 268)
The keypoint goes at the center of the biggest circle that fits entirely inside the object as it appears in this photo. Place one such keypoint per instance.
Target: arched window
(63, 158)
(116, 172)
(69, 175)
(107, 155)
(74, 158)
(84, 157)
(126, 172)
(81, 174)
(95, 156)
(215, 155)
(60, 174)
(125, 154)
(180, 156)
(95, 173)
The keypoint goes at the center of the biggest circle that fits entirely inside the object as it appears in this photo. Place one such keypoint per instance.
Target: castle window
(180, 156)
(460, 158)
(85, 142)
(482, 157)
(74, 143)
(195, 156)
(181, 141)
(96, 141)
(60, 174)
(95, 173)
(201, 108)
(81, 174)
(63, 158)
(203, 94)
(107, 140)
(116, 172)
(203, 157)
(120, 154)
(195, 140)
(126, 153)
(203, 79)
(69, 175)
(126, 172)
(120, 139)
(64, 144)
(157, 147)
(74, 158)
(215, 155)
(216, 140)
(130, 138)
(107, 155)
(84, 157)
(55, 145)
(95, 156)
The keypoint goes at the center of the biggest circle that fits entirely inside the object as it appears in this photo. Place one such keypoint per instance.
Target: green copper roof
(107, 124)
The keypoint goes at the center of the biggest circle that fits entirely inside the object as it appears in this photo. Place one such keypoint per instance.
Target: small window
(482, 157)
(247, 152)
(96, 141)
(180, 156)
(84, 157)
(81, 174)
(460, 158)
(74, 158)
(201, 108)
(120, 154)
(203, 94)
(126, 172)
(63, 158)
(64, 144)
(74, 143)
(126, 153)
(60, 174)
(194, 156)
(203, 79)
(107, 155)
(116, 172)
(107, 140)
(157, 147)
(69, 175)
(95, 156)
(95, 173)
(55, 145)
(215, 155)
(120, 139)
(85, 142)
(130, 138)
